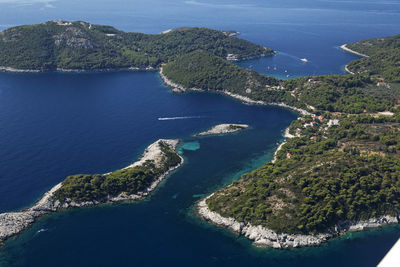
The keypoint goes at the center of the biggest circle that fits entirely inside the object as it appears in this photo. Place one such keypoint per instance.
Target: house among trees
(382, 84)
(311, 124)
(321, 118)
(232, 57)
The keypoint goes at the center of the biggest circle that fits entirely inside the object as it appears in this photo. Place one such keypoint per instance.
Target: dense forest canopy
(324, 176)
(81, 45)
(335, 93)
(372, 46)
(343, 163)
(383, 60)
(203, 70)
(98, 187)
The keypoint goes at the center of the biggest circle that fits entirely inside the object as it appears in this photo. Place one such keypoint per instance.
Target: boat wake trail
(293, 56)
(179, 118)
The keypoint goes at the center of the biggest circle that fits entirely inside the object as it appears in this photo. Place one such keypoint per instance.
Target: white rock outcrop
(265, 237)
(224, 129)
(177, 88)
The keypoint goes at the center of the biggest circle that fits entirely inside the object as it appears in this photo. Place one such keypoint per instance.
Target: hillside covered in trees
(383, 60)
(203, 70)
(84, 46)
(341, 164)
(325, 175)
(335, 93)
(130, 181)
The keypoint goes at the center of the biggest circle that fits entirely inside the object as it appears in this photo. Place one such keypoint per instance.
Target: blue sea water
(191, 145)
(53, 125)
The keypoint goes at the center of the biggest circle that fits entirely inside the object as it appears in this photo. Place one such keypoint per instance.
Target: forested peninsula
(339, 169)
(382, 58)
(132, 183)
(81, 46)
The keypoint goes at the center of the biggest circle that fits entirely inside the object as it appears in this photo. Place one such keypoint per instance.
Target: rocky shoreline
(266, 54)
(12, 223)
(264, 237)
(346, 68)
(9, 69)
(148, 68)
(345, 48)
(287, 135)
(224, 129)
(177, 88)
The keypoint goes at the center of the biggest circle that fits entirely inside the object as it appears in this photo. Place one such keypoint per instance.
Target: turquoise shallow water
(193, 146)
(53, 125)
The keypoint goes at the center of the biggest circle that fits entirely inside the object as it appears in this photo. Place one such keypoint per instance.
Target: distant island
(81, 46)
(338, 170)
(132, 183)
(224, 129)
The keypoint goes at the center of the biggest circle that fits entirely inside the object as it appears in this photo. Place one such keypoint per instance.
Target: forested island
(80, 46)
(338, 171)
(134, 182)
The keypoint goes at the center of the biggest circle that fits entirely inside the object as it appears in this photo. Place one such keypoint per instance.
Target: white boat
(304, 60)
